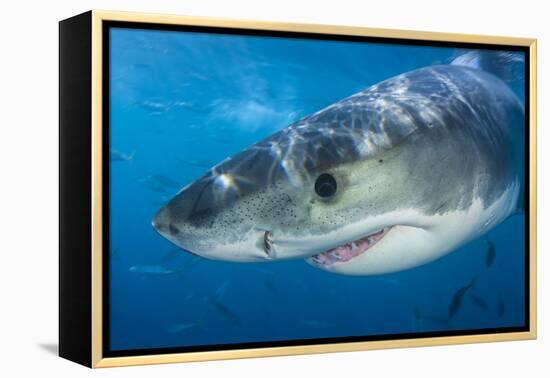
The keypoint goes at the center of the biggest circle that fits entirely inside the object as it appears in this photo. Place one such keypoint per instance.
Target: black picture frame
(78, 96)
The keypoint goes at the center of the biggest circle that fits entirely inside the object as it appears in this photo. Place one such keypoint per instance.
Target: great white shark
(387, 179)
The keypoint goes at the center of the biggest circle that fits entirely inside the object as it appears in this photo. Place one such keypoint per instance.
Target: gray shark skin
(422, 163)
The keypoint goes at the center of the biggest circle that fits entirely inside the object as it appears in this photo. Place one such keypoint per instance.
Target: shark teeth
(349, 250)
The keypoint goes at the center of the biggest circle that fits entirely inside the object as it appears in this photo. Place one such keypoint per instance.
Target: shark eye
(325, 185)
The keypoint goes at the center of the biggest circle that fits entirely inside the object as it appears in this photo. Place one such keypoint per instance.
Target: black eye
(325, 185)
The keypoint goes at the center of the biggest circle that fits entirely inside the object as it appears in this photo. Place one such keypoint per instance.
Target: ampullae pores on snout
(390, 178)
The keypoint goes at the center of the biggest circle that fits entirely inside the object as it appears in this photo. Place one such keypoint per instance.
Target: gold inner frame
(97, 177)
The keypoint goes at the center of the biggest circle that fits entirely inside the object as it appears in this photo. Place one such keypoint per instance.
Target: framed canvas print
(238, 189)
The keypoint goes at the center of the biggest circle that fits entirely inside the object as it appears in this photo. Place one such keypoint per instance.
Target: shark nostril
(162, 221)
(157, 223)
(173, 230)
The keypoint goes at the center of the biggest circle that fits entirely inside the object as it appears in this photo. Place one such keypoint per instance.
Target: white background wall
(28, 200)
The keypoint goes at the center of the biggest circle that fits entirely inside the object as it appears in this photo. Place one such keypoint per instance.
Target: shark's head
(321, 196)
(377, 197)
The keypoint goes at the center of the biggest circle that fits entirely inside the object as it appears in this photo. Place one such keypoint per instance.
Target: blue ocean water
(182, 102)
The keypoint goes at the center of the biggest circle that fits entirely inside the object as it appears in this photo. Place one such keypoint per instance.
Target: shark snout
(162, 221)
(177, 230)
(166, 224)
(202, 224)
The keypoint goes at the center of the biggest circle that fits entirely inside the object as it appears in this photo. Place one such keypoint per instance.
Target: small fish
(164, 270)
(491, 254)
(160, 184)
(500, 306)
(270, 286)
(226, 312)
(198, 163)
(220, 291)
(166, 181)
(183, 327)
(197, 75)
(115, 155)
(479, 302)
(160, 107)
(458, 298)
(161, 180)
(154, 270)
(191, 107)
(187, 105)
(154, 107)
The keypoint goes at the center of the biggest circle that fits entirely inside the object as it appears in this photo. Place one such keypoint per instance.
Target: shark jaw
(415, 238)
(348, 251)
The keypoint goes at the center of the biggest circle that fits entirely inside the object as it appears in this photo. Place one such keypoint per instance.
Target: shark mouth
(349, 250)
